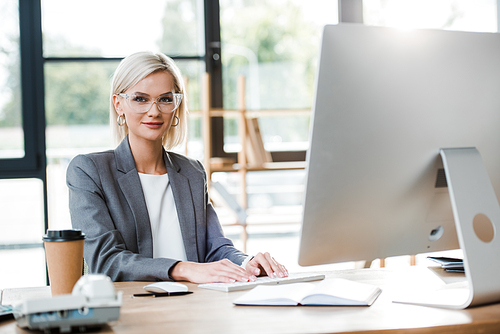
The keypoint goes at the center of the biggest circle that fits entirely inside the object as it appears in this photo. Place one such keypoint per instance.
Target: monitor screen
(386, 102)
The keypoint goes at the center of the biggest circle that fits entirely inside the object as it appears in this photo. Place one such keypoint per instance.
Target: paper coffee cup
(64, 254)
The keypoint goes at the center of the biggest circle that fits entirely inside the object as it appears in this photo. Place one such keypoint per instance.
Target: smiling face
(151, 125)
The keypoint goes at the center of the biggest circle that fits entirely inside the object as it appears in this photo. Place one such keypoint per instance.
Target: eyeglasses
(166, 103)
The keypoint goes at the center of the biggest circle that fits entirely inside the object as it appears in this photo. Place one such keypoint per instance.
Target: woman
(145, 211)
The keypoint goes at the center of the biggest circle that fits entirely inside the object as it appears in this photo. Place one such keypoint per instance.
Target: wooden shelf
(267, 166)
(256, 113)
(243, 164)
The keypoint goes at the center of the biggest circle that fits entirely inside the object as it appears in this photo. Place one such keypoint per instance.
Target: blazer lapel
(130, 185)
(185, 207)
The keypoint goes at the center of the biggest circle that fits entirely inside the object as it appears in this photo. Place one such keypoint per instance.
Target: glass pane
(77, 93)
(30, 273)
(117, 28)
(11, 127)
(479, 15)
(77, 116)
(276, 50)
(22, 228)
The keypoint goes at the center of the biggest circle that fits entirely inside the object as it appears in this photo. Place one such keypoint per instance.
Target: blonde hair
(133, 69)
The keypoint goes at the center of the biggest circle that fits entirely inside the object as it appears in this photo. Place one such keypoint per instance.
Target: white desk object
(477, 217)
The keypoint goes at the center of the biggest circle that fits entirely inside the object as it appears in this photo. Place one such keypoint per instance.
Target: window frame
(32, 86)
(33, 164)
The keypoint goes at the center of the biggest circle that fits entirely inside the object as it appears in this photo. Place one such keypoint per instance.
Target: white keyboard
(292, 278)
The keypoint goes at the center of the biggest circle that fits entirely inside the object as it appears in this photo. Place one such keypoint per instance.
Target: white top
(165, 228)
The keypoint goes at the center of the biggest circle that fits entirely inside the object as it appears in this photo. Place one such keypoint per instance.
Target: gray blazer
(107, 203)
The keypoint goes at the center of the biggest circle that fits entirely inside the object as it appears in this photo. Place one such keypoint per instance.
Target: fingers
(221, 271)
(271, 267)
(227, 271)
(253, 268)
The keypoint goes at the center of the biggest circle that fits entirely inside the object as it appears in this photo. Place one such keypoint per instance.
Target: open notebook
(330, 292)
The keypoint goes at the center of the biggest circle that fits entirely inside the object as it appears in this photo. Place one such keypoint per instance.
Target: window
(11, 127)
(479, 15)
(117, 28)
(276, 50)
(22, 228)
(274, 44)
(22, 168)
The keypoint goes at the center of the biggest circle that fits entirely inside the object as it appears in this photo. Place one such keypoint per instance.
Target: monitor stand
(477, 217)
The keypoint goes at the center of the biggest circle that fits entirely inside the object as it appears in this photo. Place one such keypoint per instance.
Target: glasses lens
(139, 103)
(165, 103)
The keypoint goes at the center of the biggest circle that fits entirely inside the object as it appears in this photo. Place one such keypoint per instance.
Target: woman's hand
(267, 263)
(221, 271)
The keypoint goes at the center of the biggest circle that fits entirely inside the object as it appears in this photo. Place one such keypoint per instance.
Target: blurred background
(57, 58)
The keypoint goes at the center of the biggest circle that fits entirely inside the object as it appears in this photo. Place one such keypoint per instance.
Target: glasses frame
(177, 97)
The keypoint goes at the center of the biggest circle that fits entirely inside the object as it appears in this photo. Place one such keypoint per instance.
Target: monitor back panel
(386, 101)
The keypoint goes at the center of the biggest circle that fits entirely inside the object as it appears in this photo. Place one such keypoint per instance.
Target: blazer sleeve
(106, 250)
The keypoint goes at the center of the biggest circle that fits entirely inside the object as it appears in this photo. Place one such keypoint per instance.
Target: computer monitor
(387, 100)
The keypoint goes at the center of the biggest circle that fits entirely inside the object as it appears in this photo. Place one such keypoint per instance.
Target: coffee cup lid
(63, 235)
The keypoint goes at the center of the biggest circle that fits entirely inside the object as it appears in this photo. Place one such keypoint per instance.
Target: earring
(121, 120)
(178, 121)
